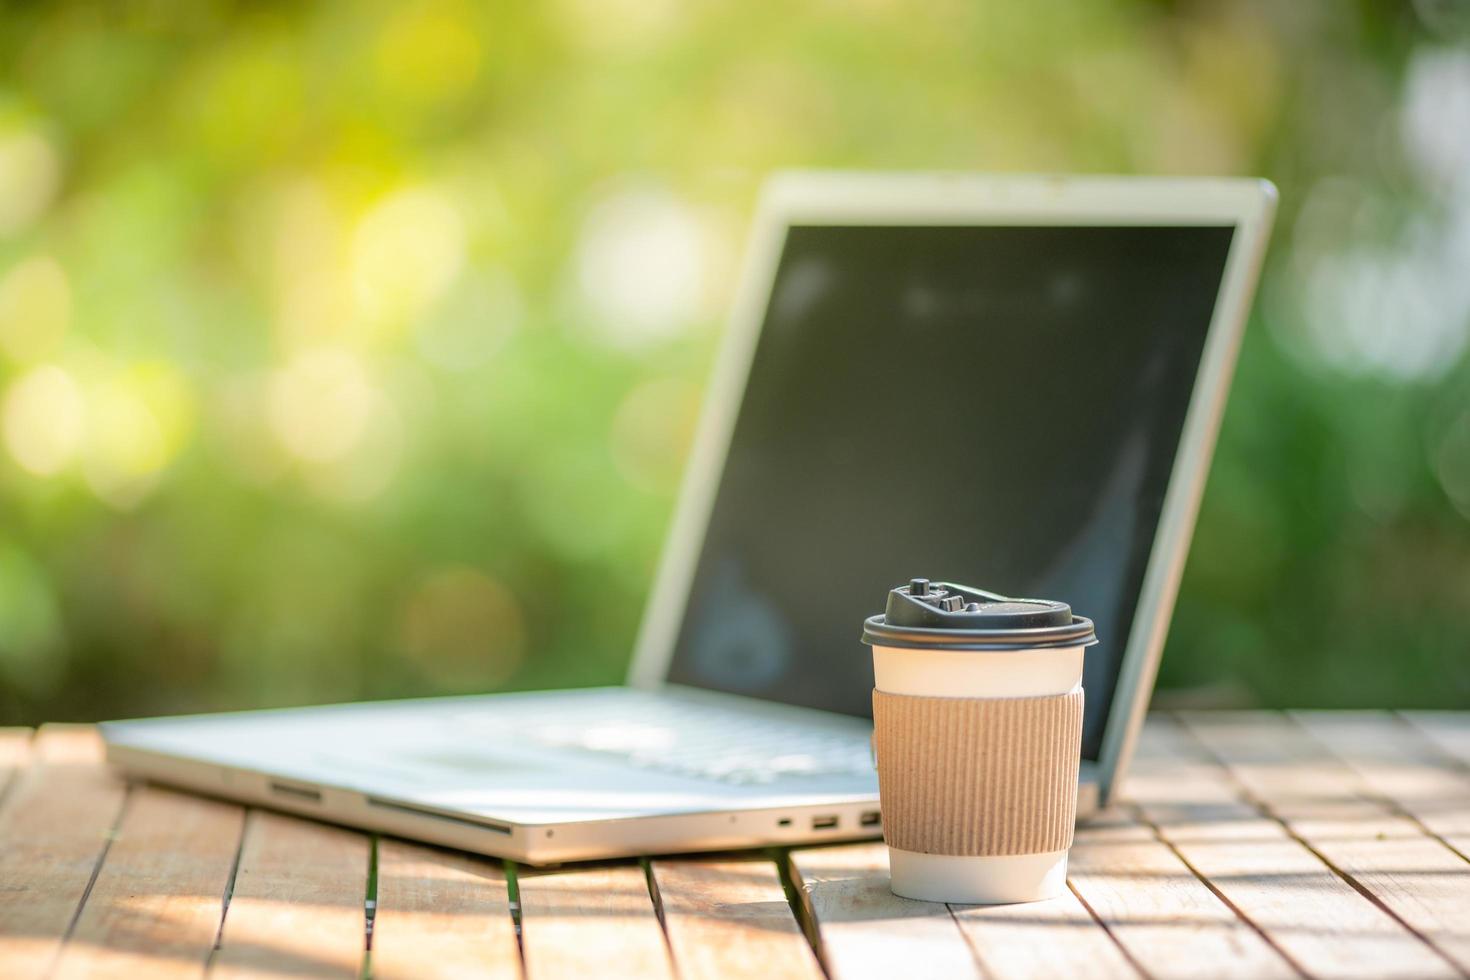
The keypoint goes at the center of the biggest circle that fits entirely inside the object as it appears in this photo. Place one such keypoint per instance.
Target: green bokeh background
(351, 350)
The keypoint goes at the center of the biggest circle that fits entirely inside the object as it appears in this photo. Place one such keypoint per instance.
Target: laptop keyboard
(705, 742)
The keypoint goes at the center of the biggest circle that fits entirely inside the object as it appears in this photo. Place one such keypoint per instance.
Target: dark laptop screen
(996, 406)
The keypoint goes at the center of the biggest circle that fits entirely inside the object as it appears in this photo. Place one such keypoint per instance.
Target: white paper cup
(978, 715)
(978, 879)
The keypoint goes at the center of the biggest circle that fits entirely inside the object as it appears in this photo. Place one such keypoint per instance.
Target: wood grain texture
(596, 921)
(297, 904)
(728, 917)
(1397, 762)
(1450, 730)
(1293, 821)
(1158, 910)
(1055, 938)
(156, 906)
(1335, 812)
(54, 826)
(865, 929)
(441, 914)
(1318, 920)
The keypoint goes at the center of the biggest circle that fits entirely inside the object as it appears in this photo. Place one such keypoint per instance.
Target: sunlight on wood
(595, 922)
(441, 914)
(156, 905)
(866, 930)
(297, 904)
(728, 917)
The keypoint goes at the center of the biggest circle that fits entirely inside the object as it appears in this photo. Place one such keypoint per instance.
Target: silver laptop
(1013, 382)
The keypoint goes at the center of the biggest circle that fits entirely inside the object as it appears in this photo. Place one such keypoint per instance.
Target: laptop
(1010, 382)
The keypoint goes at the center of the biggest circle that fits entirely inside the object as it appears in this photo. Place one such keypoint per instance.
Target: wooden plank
(297, 904)
(1449, 730)
(156, 906)
(53, 830)
(591, 922)
(728, 917)
(867, 931)
(441, 914)
(1416, 877)
(1056, 938)
(1397, 762)
(1318, 920)
(1158, 909)
(15, 755)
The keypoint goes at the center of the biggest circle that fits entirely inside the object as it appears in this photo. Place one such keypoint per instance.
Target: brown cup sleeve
(978, 776)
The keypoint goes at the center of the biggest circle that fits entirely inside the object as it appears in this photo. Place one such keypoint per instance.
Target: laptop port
(824, 823)
(784, 822)
(871, 818)
(303, 794)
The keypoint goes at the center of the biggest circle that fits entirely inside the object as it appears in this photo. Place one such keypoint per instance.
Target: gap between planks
(697, 890)
(270, 894)
(298, 901)
(56, 822)
(864, 930)
(1107, 891)
(111, 878)
(729, 916)
(1411, 767)
(156, 904)
(1363, 837)
(441, 913)
(1171, 921)
(591, 921)
(1299, 903)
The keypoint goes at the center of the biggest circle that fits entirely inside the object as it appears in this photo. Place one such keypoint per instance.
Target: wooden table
(1250, 844)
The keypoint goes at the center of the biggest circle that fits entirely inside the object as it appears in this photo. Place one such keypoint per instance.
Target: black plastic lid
(942, 614)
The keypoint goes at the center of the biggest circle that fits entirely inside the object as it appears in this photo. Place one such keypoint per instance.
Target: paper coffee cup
(977, 709)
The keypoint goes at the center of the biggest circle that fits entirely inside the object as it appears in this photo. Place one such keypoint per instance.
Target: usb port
(824, 823)
(871, 818)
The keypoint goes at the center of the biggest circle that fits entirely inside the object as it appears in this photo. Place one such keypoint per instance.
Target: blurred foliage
(351, 349)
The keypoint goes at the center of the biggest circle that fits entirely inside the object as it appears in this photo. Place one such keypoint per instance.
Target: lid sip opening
(927, 614)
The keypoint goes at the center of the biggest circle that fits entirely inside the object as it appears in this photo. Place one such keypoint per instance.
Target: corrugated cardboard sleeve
(971, 776)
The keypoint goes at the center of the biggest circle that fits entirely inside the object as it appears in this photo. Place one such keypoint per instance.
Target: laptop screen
(995, 406)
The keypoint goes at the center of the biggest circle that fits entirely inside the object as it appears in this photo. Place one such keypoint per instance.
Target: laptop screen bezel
(841, 199)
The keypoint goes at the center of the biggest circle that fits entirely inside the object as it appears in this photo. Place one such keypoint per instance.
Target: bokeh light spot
(35, 309)
(1393, 312)
(407, 250)
(44, 415)
(366, 469)
(137, 423)
(641, 266)
(30, 173)
(319, 404)
(462, 628)
(1371, 294)
(604, 24)
(313, 292)
(1435, 117)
